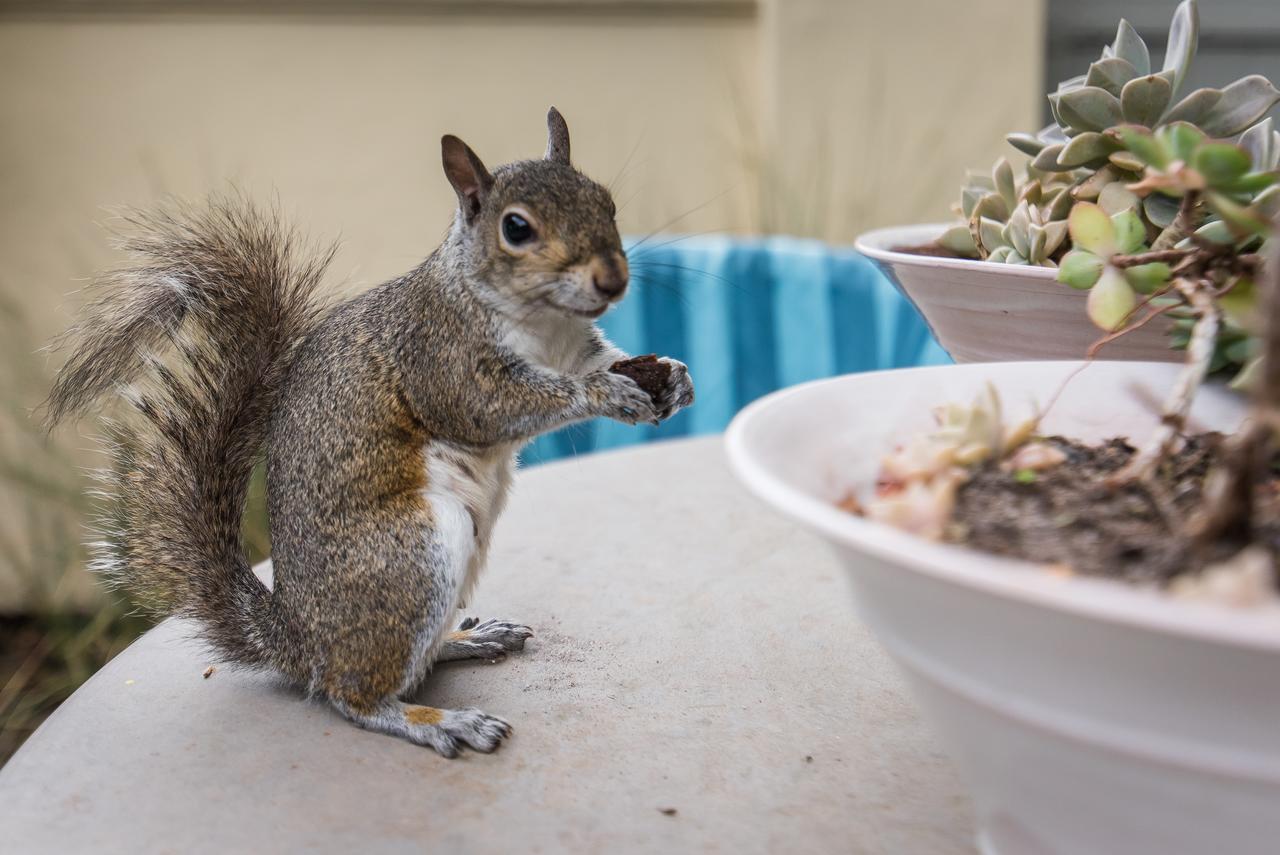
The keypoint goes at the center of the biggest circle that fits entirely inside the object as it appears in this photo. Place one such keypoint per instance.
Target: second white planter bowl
(985, 312)
(1088, 716)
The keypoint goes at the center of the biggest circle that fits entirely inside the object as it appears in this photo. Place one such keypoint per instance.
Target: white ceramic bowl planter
(1087, 715)
(986, 312)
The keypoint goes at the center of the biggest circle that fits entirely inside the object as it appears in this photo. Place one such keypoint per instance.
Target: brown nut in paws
(649, 373)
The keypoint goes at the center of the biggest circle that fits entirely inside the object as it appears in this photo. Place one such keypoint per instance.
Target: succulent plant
(1087, 154)
(1011, 221)
(916, 489)
(1121, 88)
(1097, 238)
(1225, 197)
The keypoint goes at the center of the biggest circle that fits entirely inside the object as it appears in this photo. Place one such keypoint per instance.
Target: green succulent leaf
(1086, 148)
(1036, 240)
(959, 240)
(1167, 77)
(1148, 278)
(1253, 183)
(1111, 300)
(1125, 160)
(1194, 107)
(1090, 108)
(1243, 103)
(1160, 210)
(1055, 232)
(1263, 145)
(1110, 74)
(1032, 192)
(1249, 376)
(1143, 99)
(1146, 146)
(990, 205)
(1059, 206)
(1240, 303)
(1047, 159)
(1071, 83)
(1244, 221)
(1002, 177)
(1129, 46)
(1184, 34)
(969, 197)
(989, 233)
(1130, 232)
(1028, 144)
(1216, 231)
(1220, 163)
(1053, 109)
(1001, 255)
(1080, 269)
(1267, 203)
(1237, 351)
(1092, 230)
(1116, 197)
(1089, 188)
(1015, 231)
(1181, 139)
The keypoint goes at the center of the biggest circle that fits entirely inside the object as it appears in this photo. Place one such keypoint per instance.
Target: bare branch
(1183, 224)
(1168, 256)
(1198, 293)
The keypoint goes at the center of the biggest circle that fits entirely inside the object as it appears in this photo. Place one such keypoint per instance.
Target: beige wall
(806, 116)
(876, 107)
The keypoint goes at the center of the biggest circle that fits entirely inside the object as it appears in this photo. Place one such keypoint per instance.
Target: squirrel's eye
(516, 229)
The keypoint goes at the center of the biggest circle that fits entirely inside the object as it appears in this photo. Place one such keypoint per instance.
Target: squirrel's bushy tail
(196, 336)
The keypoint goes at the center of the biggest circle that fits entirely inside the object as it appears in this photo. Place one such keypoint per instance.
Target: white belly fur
(467, 490)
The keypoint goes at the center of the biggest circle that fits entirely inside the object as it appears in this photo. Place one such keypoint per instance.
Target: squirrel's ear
(470, 180)
(557, 137)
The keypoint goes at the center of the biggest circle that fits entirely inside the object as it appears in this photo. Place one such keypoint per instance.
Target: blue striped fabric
(749, 317)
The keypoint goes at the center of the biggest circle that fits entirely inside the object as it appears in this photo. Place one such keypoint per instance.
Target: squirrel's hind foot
(446, 731)
(491, 640)
(449, 730)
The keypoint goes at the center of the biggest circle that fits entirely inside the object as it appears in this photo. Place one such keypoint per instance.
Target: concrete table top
(698, 683)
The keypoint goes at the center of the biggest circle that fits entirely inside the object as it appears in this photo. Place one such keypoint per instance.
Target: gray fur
(557, 137)
(229, 291)
(390, 425)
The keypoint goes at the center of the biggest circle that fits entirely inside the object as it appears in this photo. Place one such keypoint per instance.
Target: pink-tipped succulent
(916, 490)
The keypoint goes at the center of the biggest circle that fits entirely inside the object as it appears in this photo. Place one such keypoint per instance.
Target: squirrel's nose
(609, 285)
(609, 276)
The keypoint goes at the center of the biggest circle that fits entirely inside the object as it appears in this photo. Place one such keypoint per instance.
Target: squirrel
(390, 425)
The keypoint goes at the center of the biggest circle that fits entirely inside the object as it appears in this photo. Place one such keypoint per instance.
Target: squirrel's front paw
(620, 398)
(678, 393)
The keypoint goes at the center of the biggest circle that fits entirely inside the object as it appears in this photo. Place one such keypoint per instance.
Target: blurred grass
(64, 628)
